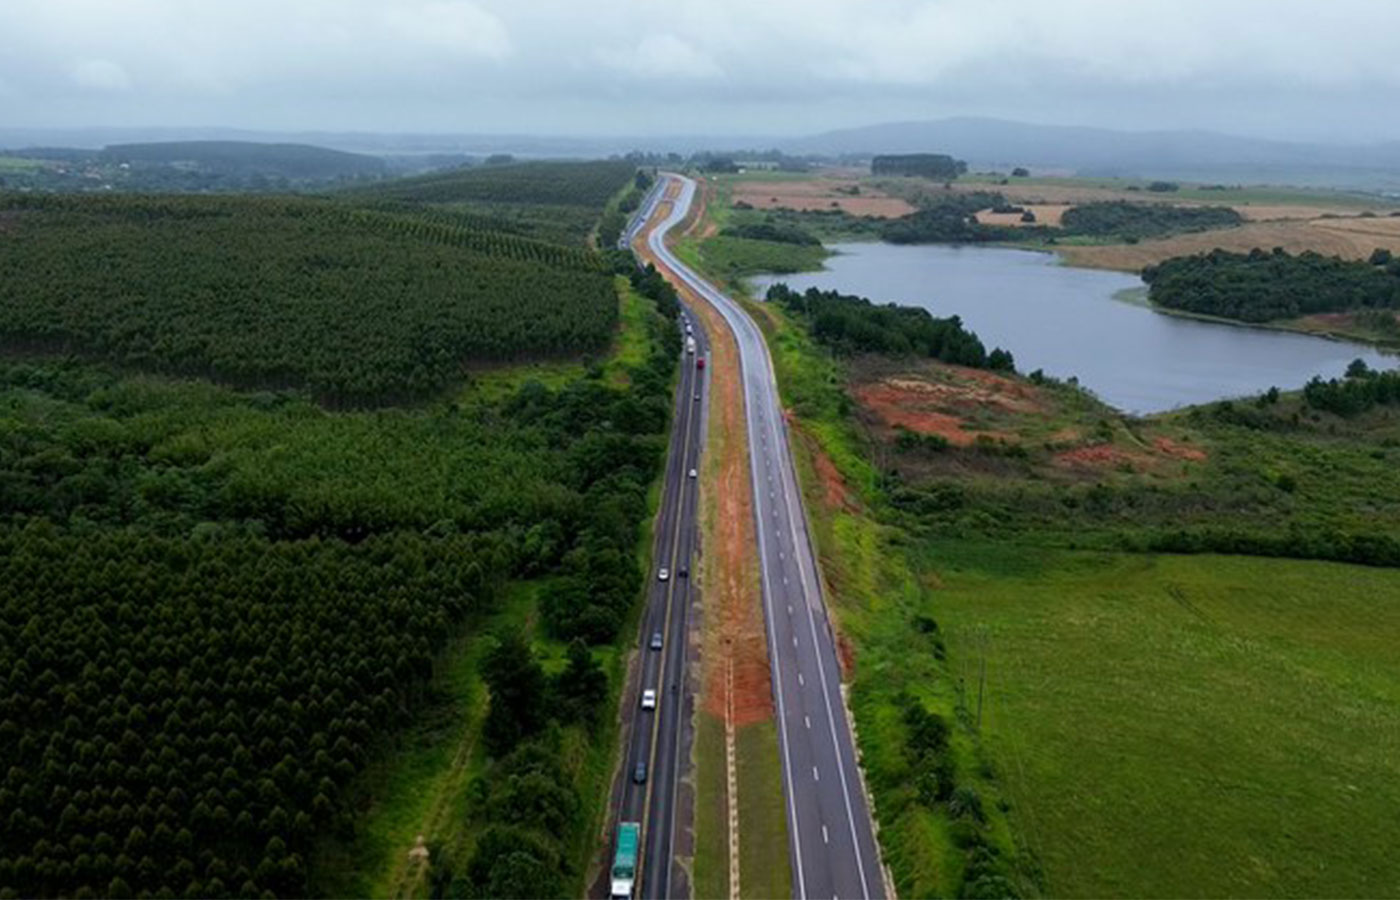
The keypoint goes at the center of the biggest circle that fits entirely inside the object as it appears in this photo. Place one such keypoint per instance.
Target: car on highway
(639, 772)
(697, 398)
(692, 473)
(649, 698)
(682, 572)
(663, 575)
(656, 640)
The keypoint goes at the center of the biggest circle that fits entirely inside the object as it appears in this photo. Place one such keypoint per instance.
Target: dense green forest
(850, 324)
(1260, 286)
(297, 161)
(356, 306)
(951, 218)
(221, 599)
(1133, 221)
(553, 201)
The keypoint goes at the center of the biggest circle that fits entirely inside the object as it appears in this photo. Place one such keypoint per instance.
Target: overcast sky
(1323, 70)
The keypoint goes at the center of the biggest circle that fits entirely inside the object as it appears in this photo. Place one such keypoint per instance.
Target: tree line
(928, 165)
(850, 324)
(1261, 286)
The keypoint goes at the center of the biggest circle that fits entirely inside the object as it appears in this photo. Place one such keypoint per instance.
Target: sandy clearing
(1347, 238)
(820, 194)
(1045, 214)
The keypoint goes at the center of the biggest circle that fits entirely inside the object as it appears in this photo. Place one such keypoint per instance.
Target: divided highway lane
(832, 844)
(657, 736)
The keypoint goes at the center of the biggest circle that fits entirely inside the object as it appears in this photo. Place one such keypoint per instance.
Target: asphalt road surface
(656, 737)
(832, 844)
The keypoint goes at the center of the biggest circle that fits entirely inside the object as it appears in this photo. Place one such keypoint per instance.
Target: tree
(1020, 172)
(582, 688)
(517, 687)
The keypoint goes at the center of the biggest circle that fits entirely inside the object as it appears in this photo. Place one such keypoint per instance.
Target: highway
(832, 845)
(658, 737)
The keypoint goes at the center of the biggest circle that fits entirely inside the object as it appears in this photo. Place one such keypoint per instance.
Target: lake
(1067, 322)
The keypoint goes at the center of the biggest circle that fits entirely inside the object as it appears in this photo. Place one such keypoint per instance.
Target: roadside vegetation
(257, 640)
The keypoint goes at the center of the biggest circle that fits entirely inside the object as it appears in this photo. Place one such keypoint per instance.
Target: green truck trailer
(624, 867)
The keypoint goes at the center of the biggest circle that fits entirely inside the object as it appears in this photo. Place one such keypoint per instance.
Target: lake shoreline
(1051, 316)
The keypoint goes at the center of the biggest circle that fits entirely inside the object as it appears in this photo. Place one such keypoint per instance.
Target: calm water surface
(1066, 321)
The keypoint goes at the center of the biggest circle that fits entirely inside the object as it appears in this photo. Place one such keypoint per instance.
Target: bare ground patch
(821, 194)
(1354, 238)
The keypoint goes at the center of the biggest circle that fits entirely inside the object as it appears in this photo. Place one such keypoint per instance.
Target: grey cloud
(779, 66)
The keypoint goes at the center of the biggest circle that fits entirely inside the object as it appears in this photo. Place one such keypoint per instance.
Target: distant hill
(298, 161)
(1189, 155)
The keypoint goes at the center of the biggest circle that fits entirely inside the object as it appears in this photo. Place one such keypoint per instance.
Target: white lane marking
(816, 776)
(808, 720)
(785, 581)
(801, 680)
(826, 838)
(789, 609)
(794, 640)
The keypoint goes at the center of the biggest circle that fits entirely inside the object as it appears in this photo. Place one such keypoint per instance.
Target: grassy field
(739, 257)
(18, 164)
(764, 867)
(710, 871)
(1232, 194)
(1186, 726)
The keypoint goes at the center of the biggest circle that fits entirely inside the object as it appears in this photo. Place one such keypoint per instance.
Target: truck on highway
(690, 345)
(700, 362)
(624, 867)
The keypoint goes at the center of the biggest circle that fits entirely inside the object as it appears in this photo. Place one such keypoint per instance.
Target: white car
(663, 575)
(692, 473)
(649, 699)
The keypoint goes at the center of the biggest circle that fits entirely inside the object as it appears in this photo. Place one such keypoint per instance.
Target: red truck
(699, 362)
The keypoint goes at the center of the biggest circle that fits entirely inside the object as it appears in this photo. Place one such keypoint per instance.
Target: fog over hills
(1202, 155)
(985, 143)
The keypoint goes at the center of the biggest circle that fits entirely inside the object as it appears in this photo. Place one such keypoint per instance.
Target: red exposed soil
(1096, 456)
(1179, 451)
(847, 655)
(900, 402)
(835, 494)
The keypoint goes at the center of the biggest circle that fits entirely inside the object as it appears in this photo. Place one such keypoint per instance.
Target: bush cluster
(850, 324)
(1263, 286)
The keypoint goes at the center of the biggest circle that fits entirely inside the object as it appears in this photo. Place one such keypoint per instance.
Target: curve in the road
(833, 847)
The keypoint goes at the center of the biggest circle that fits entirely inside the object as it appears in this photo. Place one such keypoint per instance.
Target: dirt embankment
(945, 407)
(974, 408)
(733, 614)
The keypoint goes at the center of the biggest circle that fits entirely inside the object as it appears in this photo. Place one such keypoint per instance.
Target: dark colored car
(639, 774)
